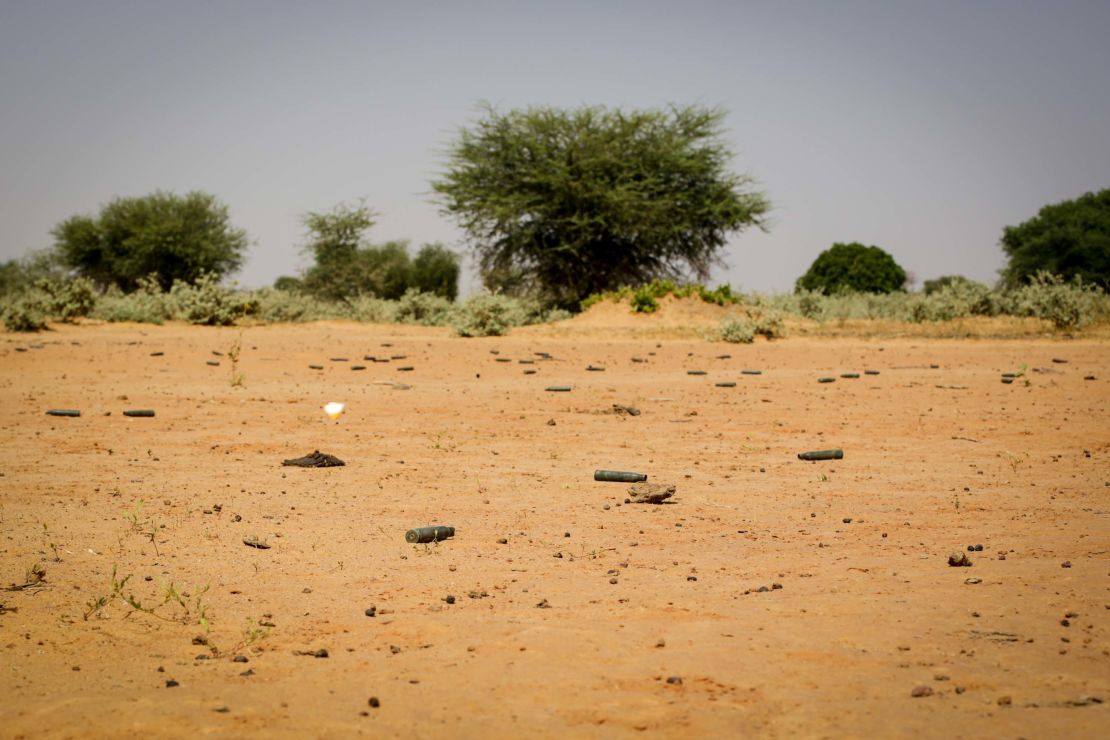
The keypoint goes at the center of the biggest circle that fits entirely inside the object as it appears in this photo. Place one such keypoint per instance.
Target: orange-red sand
(935, 459)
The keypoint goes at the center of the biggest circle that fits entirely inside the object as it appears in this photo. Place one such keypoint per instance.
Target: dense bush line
(1066, 304)
(206, 302)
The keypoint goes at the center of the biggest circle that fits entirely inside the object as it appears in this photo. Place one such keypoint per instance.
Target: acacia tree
(564, 203)
(853, 268)
(176, 237)
(1070, 239)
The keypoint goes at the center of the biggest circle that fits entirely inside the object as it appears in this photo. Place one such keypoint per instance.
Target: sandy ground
(572, 615)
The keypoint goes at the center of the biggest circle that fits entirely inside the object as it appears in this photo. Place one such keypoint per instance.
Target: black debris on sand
(316, 460)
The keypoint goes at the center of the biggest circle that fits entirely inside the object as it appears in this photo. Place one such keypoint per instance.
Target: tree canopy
(560, 204)
(1070, 239)
(176, 237)
(347, 264)
(853, 267)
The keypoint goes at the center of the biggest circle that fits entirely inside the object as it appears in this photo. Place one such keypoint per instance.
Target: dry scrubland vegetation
(1056, 304)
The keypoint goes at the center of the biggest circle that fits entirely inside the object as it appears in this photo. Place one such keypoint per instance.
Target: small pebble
(371, 611)
(374, 702)
(920, 691)
(674, 680)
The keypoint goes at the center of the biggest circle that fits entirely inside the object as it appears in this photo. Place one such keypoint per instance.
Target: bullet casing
(821, 455)
(618, 476)
(420, 535)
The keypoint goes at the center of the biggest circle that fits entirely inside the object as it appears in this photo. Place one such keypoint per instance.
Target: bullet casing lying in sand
(618, 476)
(821, 455)
(429, 534)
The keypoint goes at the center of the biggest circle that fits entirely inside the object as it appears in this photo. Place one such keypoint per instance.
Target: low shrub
(371, 310)
(736, 329)
(67, 300)
(1067, 304)
(491, 315)
(281, 306)
(25, 312)
(147, 305)
(425, 309)
(208, 303)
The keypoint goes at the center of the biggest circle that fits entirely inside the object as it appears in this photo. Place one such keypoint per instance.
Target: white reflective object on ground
(334, 410)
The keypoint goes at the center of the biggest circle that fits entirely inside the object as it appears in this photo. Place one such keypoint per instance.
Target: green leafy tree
(1070, 239)
(19, 275)
(176, 237)
(560, 204)
(348, 265)
(852, 268)
(435, 269)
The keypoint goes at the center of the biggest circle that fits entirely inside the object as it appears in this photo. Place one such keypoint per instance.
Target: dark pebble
(213, 363)
(240, 659)
(1065, 564)
(371, 611)
(674, 680)
(449, 599)
(315, 367)
(374, 702)
(920, 691)
(691, 578)
(502, 541)
(170, 683)
(321, 653)
(249, 672)
(847, 520)
(762, 589)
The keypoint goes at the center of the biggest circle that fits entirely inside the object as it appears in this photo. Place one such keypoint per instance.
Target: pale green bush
(67, 300)
(371, 310)
(736, 329)
(426, 309)
(487, 314)
(208, 303)
(25, 312)
(283, 306)
(147, 305)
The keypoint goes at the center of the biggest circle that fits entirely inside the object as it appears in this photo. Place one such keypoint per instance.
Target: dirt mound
(675, 318)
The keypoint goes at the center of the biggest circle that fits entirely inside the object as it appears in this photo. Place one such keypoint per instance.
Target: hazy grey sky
(922, 127)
